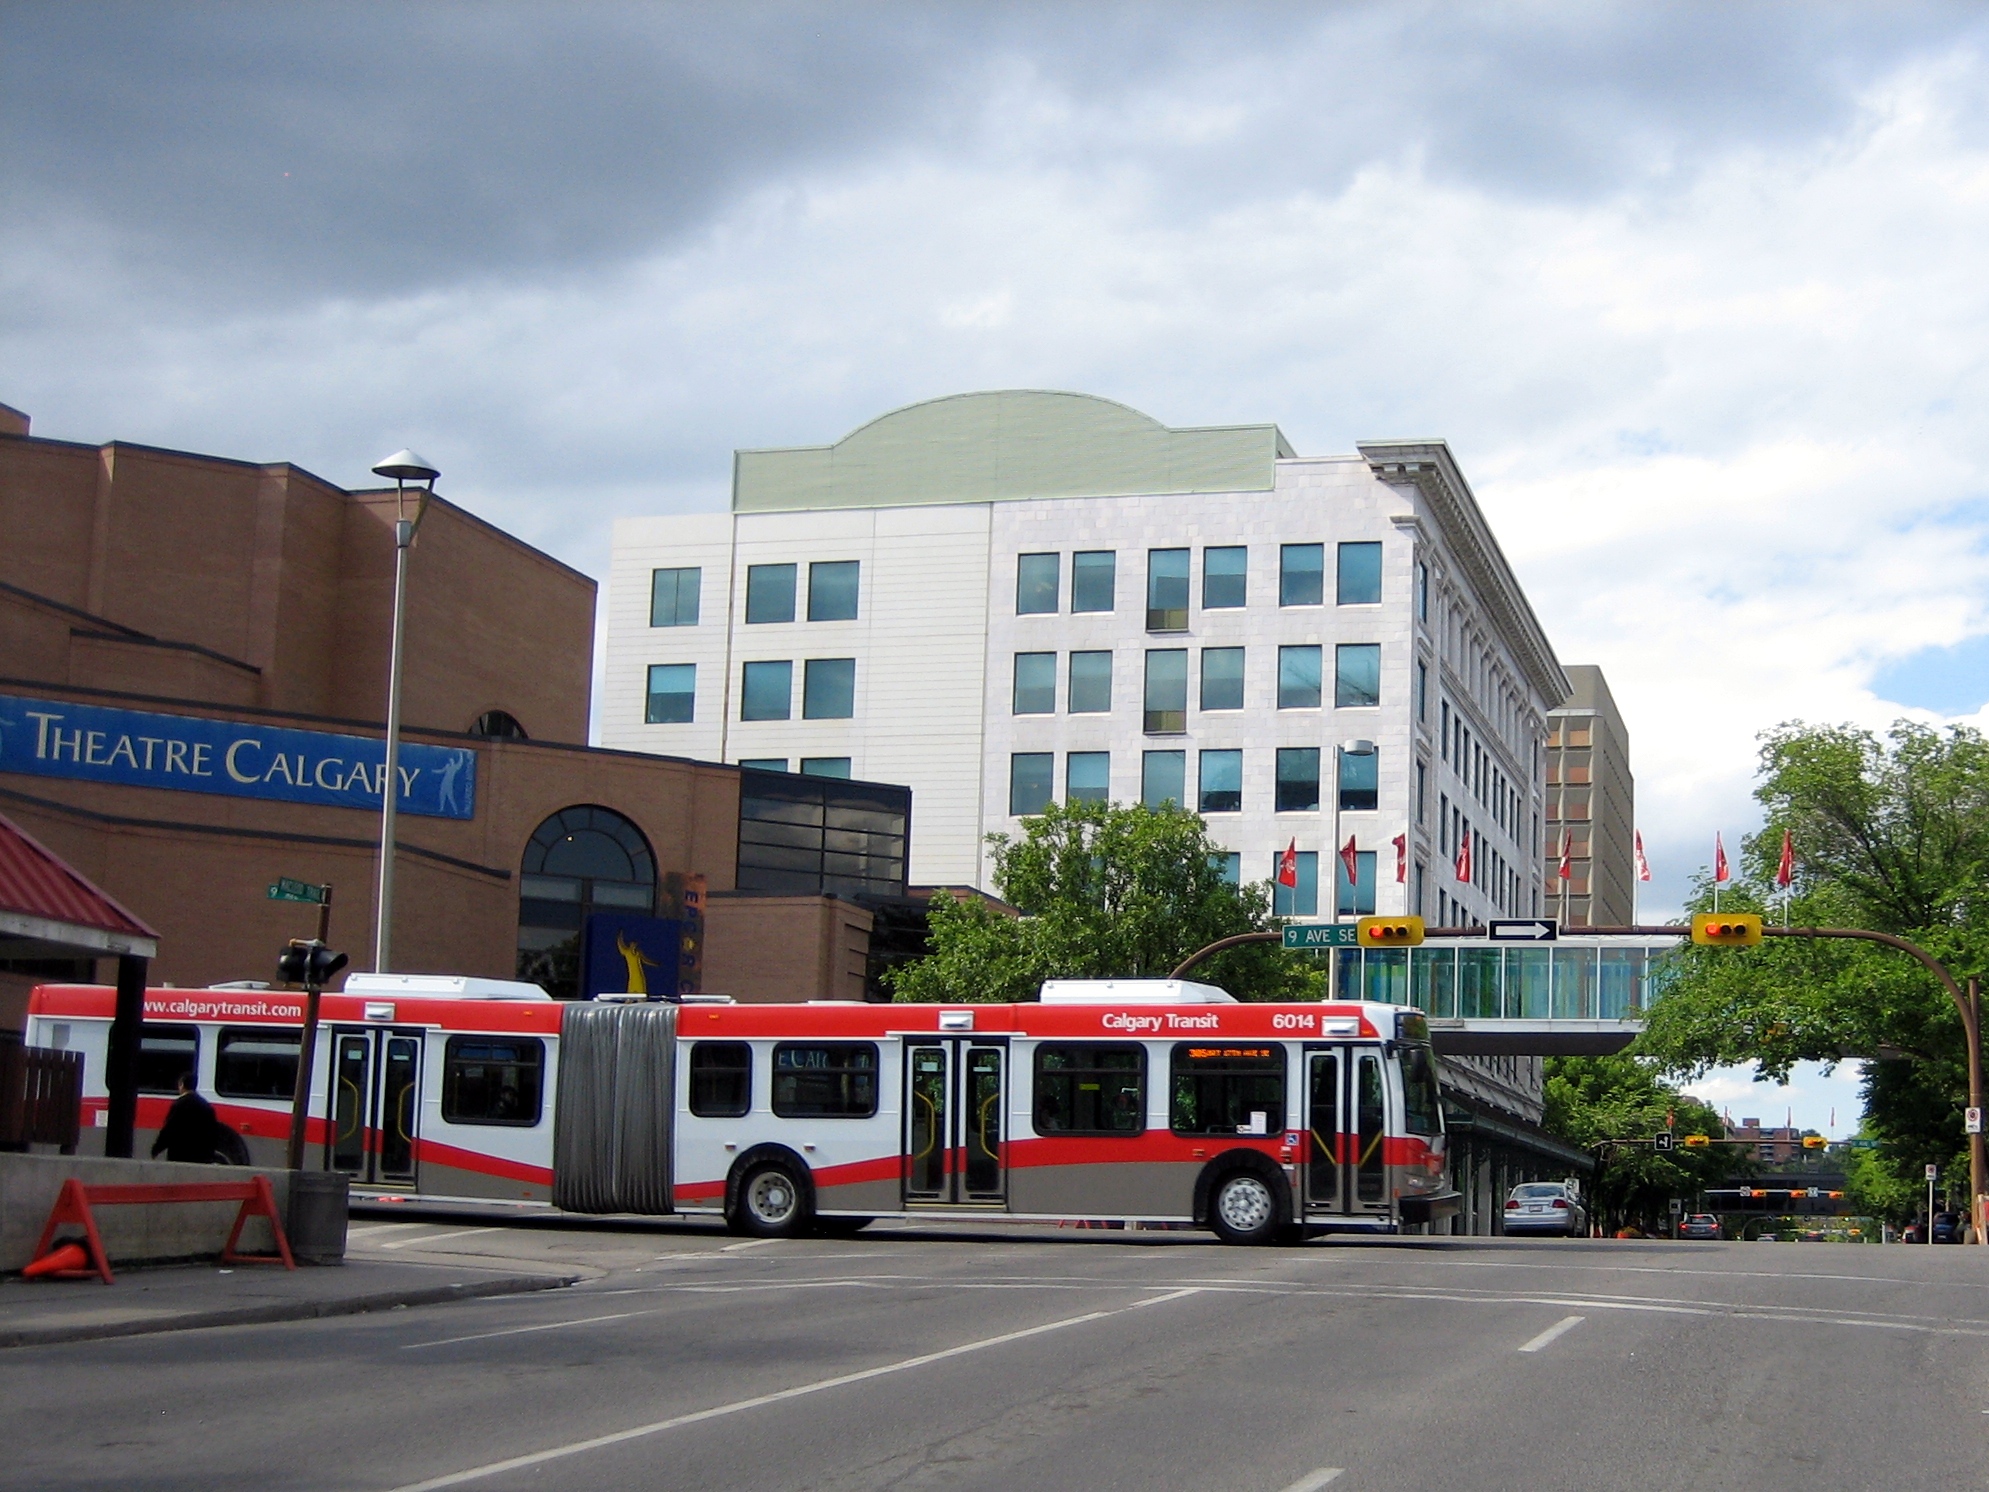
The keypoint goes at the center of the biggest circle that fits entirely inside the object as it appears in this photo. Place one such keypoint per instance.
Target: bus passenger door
(955, 1100)
(1346, 1115)
(374, 1105)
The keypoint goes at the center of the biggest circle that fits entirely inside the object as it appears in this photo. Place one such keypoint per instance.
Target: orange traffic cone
(69, 1256)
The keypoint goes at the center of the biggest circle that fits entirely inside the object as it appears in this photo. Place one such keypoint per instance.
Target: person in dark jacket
(191, 1132)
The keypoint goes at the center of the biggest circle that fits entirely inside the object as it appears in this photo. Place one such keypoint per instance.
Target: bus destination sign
(1322, 935)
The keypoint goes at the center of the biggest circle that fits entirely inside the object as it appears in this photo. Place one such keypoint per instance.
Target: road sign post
(317, 971)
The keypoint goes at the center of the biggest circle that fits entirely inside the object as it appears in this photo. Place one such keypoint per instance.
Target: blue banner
(190, 754)
(625, 953)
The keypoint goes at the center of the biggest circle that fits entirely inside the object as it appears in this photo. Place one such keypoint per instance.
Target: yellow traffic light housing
(1389, 932)
(1726, 929)
(1814, 1142)
(1697, 1142)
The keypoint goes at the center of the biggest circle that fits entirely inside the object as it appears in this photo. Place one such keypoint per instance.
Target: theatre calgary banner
(192, 754)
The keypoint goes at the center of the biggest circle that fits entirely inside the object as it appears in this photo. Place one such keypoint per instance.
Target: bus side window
(825, 1079)
(493, 1080)
(1090, 1089)
(256, 1062)
(721, 1079)
(1220, 1089)
(164, 1052)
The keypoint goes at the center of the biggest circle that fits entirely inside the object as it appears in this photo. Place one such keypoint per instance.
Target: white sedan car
(1545, 1207)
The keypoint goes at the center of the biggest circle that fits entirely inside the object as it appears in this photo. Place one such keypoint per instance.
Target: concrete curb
(297, 1310)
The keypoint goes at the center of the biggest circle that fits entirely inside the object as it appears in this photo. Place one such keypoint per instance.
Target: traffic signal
(1664, 1139)
(308, 962)
(1726, 929)
(1697, 1142)
(1814, 1142)
(1389, 932)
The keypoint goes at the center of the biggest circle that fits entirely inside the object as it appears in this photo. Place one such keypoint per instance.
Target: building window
(1225, 577)
(1088, 777)
(1222, 678)
(493, 1080)
(828, 689)
(1167, 590)
(1360, 777)
(825, 1080)
(1422, 791)
(1298, 779)
(1221, 782)
(809, 834)
(673, 597)
(672, 693)
(1422, 690)
(1090, 684)
(1302, 575)
(1035, 684)
(1356, 900)
(1029, 782)
(832, 590)
(721, 1079)
(1443, 730)
(825, 766)
(1227, 1090)
(582, 860)
(767, 691)
(1422, 591)
(1094, 576)
(1360, 574)
(1166, 691)
(1301, 900)
(1090, 1090)
(764, 763)
(256, 1062)
(1298, 677)
(1163, 778)
(1228, 867)
(1036, 581)
(1357, 674)
(498, 725)
(769, 593)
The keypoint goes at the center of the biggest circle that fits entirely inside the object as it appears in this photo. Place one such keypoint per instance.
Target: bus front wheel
(1244, 1210)
(773, 1203)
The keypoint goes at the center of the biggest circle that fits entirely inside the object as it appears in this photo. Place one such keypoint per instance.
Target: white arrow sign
(1539, 930)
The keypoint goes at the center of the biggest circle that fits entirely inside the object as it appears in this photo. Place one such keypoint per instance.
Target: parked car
(1546, 1207)
(1700, 1225)
(1948, 1227)
(1913, 1233)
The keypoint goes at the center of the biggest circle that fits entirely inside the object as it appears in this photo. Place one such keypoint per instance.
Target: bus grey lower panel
(612, 1116)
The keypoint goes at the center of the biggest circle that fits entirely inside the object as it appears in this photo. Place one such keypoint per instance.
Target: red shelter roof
(44, 899)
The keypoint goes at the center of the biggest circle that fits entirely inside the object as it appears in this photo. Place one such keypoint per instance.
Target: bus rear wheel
(773, 1203)
(1244, 1210)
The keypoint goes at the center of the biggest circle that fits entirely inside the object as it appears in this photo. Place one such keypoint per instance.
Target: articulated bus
(1134, 1101)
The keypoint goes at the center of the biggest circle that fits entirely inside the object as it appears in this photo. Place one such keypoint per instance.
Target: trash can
(316, 1223)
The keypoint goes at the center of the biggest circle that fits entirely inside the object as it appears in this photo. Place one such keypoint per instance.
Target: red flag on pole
(1720, 872)
(1288, 866)
(1350, 857)
(1567, 870)
(1402, 857)
(1464, 858)
(1643, 865)
(1786, 871)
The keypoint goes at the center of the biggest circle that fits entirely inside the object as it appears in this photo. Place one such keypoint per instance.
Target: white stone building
(999, 597)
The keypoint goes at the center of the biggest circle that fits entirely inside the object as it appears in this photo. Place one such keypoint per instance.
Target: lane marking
(760, 1401)
(408, 1243)
(1559, 1329)
(753, 1243)
(514, 1331)
(1317, 1479)
(380, 1228)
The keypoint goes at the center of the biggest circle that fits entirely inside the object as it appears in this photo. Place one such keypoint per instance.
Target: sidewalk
(185, 1296)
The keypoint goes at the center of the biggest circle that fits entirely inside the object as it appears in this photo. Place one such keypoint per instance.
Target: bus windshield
(1421, 1114)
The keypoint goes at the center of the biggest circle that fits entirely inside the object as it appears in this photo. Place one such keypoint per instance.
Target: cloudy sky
(1696, 292)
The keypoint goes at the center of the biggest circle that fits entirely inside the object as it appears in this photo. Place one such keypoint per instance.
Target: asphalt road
(934, 1357)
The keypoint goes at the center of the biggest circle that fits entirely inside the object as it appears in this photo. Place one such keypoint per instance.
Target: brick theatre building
(193, 679)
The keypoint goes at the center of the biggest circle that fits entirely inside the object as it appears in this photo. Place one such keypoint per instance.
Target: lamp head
(406, 466)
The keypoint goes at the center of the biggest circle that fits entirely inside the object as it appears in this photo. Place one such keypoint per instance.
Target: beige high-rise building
(1591, 802)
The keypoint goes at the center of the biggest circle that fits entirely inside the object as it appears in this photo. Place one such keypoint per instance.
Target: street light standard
(1355, 747)
(403, 467)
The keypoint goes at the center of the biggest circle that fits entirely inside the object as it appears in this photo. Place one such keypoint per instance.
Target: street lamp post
(1355, 747)
(404, 467)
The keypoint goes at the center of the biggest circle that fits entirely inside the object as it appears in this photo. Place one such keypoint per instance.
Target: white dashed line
(1315, 1480)
(1559, 1328)
(408, 1243)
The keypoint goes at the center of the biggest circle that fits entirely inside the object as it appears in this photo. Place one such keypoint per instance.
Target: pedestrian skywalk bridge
(1575, 996)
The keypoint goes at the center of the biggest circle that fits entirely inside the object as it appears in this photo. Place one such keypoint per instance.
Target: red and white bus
(1135, 1101)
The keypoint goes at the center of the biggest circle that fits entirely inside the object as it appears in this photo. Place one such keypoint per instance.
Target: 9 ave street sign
(1323, 935)
(286, 889)
(1531, 930)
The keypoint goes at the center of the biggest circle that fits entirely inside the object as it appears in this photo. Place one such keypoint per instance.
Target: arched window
(498, 725)
(581, 860)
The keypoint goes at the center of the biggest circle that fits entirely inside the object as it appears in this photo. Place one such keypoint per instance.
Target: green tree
(1106, 891)
(1593, 1102)
(1891, 834)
